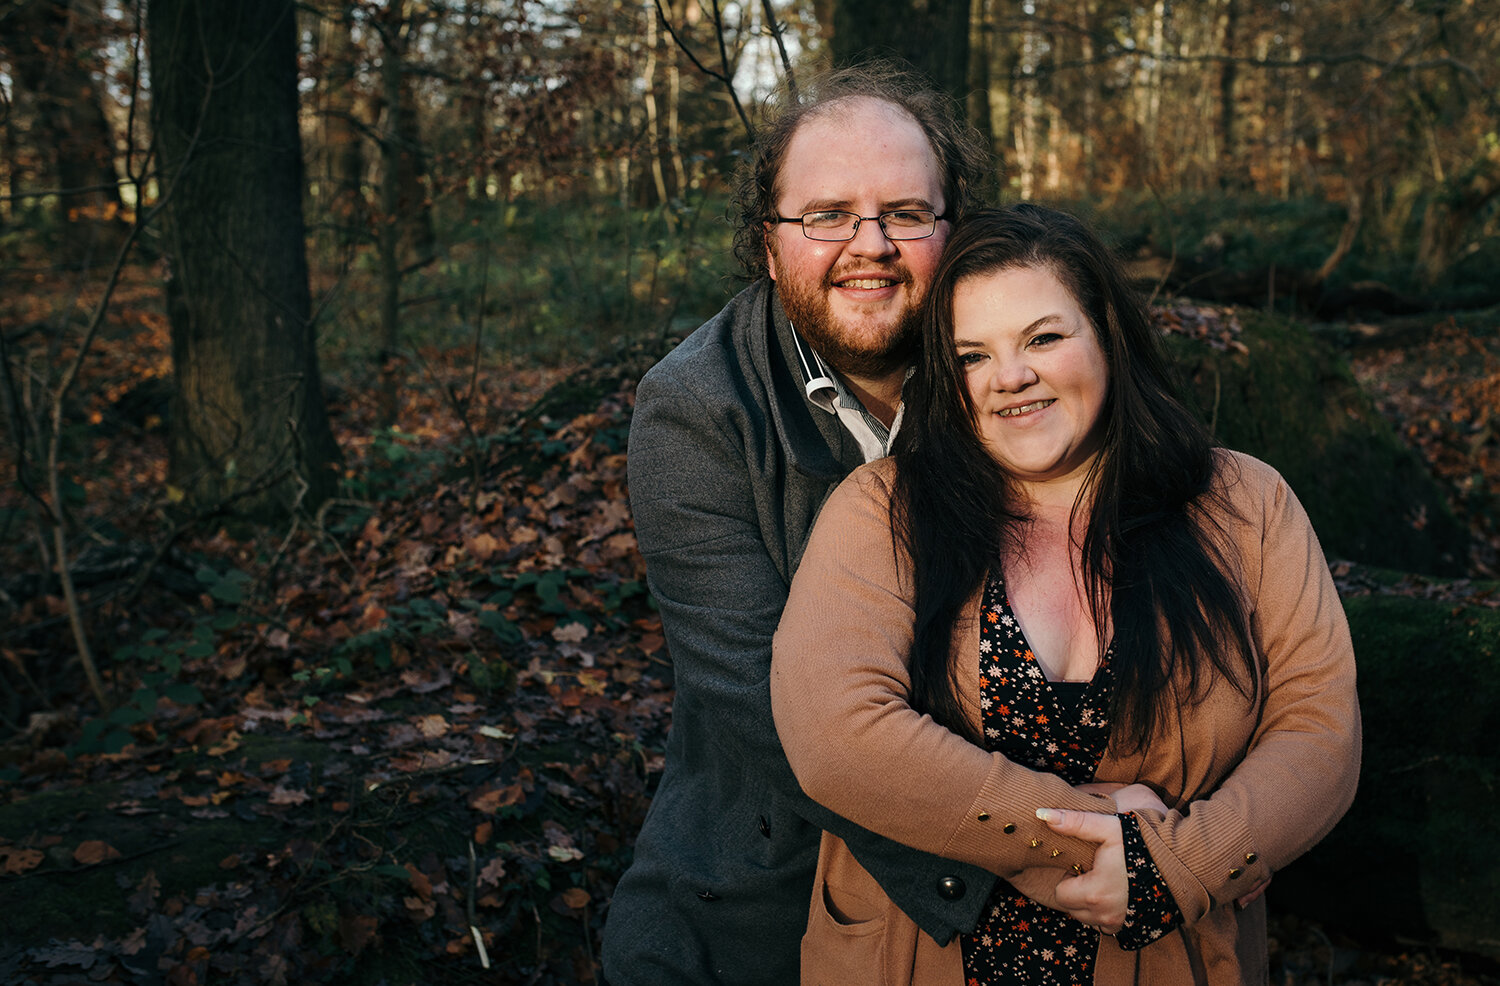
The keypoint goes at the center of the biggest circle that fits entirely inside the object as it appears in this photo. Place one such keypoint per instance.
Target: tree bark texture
(933, 35)
(248, 429)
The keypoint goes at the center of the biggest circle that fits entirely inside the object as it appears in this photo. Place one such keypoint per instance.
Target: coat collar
(815, 444)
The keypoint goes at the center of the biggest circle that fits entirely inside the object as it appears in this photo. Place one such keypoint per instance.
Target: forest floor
(410, 740)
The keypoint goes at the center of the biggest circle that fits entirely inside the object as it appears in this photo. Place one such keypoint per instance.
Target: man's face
(859, 301)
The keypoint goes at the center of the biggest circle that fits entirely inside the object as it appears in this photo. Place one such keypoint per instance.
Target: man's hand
(1099, 897)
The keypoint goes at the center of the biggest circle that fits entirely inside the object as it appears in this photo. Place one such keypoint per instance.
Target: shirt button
(983, 816)
(1010, 827)
(951, 888)
(1250, 857)
(1234, 874)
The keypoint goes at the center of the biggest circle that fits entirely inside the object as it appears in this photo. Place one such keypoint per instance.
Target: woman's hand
(1128, 797)
(1099, 897)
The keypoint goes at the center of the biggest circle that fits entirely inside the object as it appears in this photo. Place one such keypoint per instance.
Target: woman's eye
(969, 359)
(1044, 338)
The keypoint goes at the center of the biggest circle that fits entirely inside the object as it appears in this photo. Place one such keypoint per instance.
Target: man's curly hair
(962, 158)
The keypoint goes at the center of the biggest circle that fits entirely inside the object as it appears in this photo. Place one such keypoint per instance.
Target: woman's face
(1035, 370)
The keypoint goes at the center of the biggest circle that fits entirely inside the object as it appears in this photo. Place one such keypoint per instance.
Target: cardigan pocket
(846, 943)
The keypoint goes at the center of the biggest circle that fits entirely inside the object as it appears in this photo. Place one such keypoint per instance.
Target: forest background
(325, 652)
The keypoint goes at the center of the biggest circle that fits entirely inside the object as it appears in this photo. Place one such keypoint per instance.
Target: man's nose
(870, 240)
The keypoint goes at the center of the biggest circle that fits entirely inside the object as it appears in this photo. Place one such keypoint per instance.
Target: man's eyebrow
(826, 205)
(847, 205)
(915, 202)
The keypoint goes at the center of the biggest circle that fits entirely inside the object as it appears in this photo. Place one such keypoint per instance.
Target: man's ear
(770, 250)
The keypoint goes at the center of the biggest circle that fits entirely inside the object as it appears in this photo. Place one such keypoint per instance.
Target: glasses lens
(908, 224)
(829, 225)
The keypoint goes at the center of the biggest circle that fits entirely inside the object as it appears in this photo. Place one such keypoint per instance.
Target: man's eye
(825, 220)
(906, 218)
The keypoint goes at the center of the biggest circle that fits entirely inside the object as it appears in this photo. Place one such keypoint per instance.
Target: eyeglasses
(832, 225)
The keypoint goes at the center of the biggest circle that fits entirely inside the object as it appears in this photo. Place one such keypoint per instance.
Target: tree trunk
(980, 33)
(341, 182)
(1449, 214)
(1230, 166)
(932, 35)
(49, 50)
(1087, 84)
(249, 433)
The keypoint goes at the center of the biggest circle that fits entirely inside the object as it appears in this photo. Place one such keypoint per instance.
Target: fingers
(1089, 826)
(1100, 896)
(1253, 895)
(1138, 797)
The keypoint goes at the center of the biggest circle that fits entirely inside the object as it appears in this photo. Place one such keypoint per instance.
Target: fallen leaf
(490, 802)
(419, 881)
(492, 872)
(287, 796)
(576, 897)
(93, 852)
(13, 860)
(432, 726)
(146, 892)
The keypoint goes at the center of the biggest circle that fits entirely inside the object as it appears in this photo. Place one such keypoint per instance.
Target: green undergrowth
(1414, 857)
(1293, 402)
(543, 282)
(1231, 235)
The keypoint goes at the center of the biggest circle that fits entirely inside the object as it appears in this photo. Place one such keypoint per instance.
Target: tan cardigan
(1252, 784)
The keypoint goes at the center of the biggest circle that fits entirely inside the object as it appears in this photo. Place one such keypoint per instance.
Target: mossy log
(1418, 856)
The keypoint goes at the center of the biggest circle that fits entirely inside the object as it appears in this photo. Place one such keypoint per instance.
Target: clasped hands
(1099, 898)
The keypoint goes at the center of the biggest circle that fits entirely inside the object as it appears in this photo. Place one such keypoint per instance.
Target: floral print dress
(1061, 727)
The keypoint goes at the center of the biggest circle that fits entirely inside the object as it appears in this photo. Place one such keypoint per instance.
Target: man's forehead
(854, 134)
(847, 112)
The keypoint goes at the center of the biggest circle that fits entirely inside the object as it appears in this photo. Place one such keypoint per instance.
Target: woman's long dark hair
(1150, 554)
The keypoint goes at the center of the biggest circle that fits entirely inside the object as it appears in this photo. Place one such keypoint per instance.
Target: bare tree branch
(724, 56)
(786, 62)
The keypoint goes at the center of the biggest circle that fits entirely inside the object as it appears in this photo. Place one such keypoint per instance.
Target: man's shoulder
(721, 351)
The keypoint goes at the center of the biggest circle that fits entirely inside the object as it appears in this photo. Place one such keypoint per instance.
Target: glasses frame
(881, 219)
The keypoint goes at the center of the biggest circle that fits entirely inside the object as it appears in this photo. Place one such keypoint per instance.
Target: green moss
(62, 898)
(1414, 857)
(1293, 402)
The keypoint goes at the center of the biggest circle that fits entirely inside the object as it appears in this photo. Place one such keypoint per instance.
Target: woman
(1060, 635)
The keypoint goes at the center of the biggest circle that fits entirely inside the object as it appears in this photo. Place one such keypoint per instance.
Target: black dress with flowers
(1061, 727)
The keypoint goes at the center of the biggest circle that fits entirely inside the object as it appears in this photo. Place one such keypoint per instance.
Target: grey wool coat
(729, 465)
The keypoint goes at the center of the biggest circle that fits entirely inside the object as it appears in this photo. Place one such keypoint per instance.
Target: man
(738, 437)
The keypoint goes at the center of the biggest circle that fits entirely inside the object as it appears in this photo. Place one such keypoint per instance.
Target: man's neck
(881, 396)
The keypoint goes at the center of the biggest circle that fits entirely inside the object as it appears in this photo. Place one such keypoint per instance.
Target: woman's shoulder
(1243, 477)
(873, 481)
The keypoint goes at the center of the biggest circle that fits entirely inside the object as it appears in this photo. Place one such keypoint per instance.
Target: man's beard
(812, 315)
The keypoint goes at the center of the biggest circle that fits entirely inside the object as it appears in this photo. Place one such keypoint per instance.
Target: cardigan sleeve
(1298, 776)
(839, 690)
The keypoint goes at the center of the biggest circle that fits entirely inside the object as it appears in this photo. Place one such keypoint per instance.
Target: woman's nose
(1010, 374)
